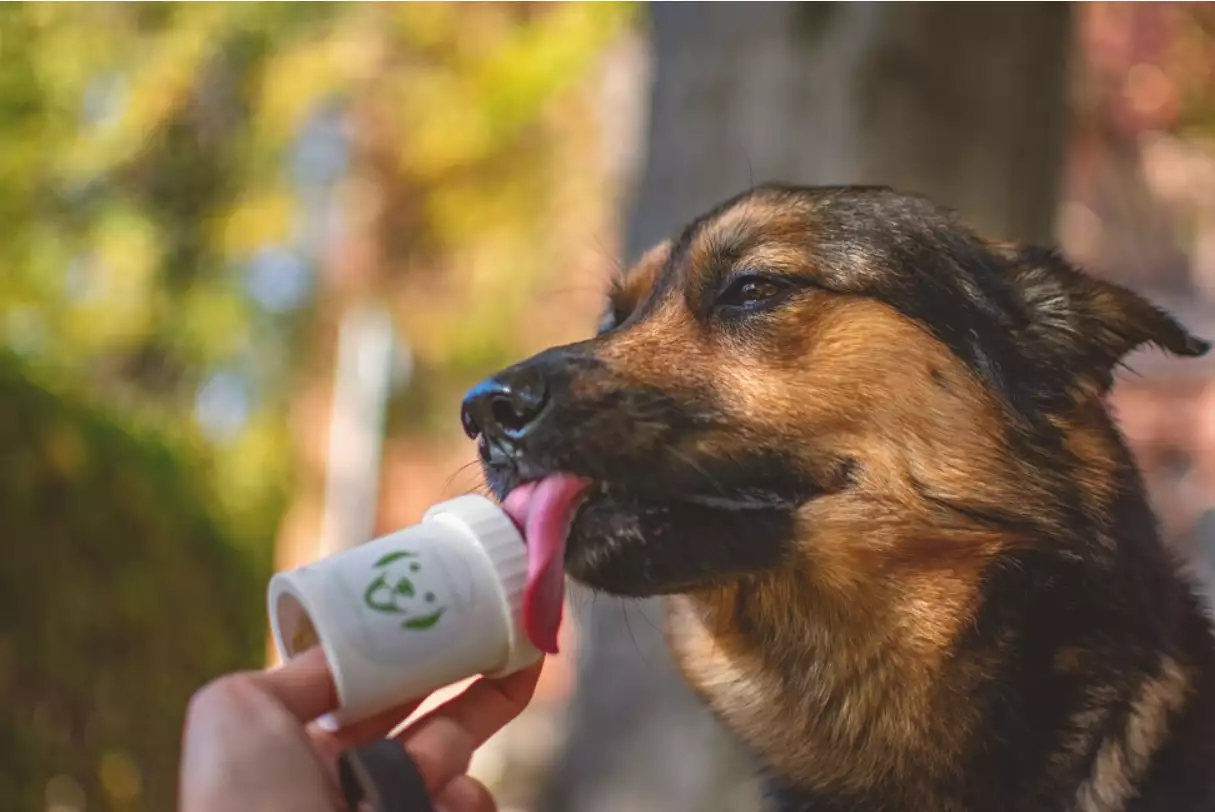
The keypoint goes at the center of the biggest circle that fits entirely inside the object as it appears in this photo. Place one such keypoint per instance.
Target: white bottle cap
(413, 611)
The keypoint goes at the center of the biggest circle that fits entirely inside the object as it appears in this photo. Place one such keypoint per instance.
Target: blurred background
(253, 254)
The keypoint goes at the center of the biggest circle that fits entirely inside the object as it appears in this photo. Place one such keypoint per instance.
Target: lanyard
(381, 777)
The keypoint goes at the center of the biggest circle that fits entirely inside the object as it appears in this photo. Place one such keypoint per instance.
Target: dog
(866, 453)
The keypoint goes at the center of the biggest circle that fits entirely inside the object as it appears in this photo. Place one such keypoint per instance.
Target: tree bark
(964, 103)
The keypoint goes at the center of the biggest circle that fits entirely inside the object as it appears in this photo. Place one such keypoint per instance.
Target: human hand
(248, 744)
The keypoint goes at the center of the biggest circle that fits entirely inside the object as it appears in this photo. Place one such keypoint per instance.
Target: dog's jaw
(657, 525)
(629, 545)
(637, 548)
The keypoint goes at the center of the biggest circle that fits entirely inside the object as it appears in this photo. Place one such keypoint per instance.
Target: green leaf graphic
(388, 558)
(405, 587)
(424, 622)
(380, 605)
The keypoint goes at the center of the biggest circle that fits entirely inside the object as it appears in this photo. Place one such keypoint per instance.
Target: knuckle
(466, 794)
(217, 693)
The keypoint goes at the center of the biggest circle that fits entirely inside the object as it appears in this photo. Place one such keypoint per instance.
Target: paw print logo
(393, 592)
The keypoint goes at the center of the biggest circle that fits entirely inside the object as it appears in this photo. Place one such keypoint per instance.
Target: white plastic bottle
(403, 615)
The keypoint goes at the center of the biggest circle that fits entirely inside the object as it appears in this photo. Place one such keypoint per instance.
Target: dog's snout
(503, 408)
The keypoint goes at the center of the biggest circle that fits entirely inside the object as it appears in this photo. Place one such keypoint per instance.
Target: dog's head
(848, 375)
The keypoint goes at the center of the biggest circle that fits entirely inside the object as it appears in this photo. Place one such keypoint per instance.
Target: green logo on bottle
(393, 593)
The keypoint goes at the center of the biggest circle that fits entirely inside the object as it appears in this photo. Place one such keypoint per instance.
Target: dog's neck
(826, 695)
(845, 700)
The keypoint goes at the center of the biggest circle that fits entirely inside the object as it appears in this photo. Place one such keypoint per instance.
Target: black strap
(382, 776)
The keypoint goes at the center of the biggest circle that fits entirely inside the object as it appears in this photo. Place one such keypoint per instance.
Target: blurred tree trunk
(353, 265)
(964, 103)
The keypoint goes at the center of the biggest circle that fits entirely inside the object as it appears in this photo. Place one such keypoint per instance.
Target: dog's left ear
(1084, 326)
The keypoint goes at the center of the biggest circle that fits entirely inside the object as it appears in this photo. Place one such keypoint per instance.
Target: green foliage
(120, 594)
(154, 152)
(153, 155)
(126, 144)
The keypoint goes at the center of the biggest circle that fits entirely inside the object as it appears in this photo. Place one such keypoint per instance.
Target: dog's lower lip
(613, 492)
(624, 495)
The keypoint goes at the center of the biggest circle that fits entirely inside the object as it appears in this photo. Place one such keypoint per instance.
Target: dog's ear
(1083, 326)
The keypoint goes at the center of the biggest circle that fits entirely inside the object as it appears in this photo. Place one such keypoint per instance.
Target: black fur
(1082, 574)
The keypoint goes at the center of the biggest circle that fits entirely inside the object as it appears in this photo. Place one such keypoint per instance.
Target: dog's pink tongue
(544, 510)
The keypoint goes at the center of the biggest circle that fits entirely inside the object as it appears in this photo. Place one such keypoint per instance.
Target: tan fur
(834, 379)
(850, 660)
(1119, 765)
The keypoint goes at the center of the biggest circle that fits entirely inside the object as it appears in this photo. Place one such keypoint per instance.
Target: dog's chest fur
(847, 723)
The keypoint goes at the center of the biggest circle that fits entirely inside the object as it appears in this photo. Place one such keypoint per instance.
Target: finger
(383, 723)
(465, 794)
(483, 708)
(443, 741)
(365, 731)
(378, 726)
(303, 685)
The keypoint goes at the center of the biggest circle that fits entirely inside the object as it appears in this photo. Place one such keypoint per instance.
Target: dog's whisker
(612, 257)
(695, 466)
(566, 290)
(624, 608)
(462, 469)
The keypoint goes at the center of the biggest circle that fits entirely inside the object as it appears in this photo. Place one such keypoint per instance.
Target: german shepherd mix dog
(866, 452)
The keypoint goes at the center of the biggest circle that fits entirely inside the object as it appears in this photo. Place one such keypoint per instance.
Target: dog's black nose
(505, 407)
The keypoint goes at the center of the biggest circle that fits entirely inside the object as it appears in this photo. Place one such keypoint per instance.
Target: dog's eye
(749, 291)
